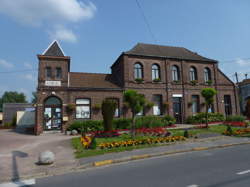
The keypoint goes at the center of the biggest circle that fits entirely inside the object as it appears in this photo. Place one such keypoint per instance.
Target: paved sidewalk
(19, 154)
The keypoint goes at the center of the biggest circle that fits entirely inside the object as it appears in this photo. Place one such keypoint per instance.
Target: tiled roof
(167, 52)
(91, 80)
(54, 49)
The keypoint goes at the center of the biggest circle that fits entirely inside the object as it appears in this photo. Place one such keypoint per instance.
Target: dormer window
(58, 73)
(48, 72)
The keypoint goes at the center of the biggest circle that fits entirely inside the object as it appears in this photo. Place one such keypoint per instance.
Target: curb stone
(81, 167)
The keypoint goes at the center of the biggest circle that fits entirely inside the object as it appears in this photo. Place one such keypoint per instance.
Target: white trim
(177, 95)
(51, 45)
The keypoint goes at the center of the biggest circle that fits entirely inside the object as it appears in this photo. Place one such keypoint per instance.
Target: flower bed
(237, 132)
(158, 131)
(144, 141)
(86, 141)
(106, 134)
(235, 123)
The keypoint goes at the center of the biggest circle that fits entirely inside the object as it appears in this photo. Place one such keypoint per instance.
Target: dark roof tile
(91, 80)
(166, 51)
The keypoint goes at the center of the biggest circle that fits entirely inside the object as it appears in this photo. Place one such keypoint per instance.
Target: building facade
(169, 77)
(244, 97)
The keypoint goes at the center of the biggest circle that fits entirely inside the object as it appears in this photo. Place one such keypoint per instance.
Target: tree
(34, 97)
(136, 103)
(208, 94)
(12, 97)
(108, 111)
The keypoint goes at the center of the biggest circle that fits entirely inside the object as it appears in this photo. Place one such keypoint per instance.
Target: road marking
(243, 172)
(19, 183)
(193, 185)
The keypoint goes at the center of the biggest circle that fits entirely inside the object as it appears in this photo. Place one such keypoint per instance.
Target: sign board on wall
(52, 83)
(177, 95)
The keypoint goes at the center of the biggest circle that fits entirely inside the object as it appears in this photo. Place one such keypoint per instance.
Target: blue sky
(94, 33)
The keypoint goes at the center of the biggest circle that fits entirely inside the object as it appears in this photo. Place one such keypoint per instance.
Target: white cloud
(63, 34)
(39, 11)
(6, 64)
(243, 62)
(48, 13)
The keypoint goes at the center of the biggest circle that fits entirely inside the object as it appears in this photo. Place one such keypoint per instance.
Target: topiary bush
(237, 118)
(108, 112)
(89, 125)
(201, 118)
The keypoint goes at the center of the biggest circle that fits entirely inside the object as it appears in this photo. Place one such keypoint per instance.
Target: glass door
(53, 118)
(177, 109)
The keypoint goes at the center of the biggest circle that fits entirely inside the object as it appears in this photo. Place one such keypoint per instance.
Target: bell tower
(54, 67)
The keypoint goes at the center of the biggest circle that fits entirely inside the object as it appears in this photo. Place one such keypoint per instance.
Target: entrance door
(52, 114)
(177, 109)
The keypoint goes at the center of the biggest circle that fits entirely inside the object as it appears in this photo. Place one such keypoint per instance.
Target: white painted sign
(52, 83)
(177, 95)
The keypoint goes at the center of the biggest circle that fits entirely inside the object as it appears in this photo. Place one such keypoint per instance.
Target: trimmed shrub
(229, 130)
(149, 122)
(201, 118)
(108, 112)
(122, 123)
(236, 118)
(186, 134)
(93, 144)
(89, 125)
(168, 120)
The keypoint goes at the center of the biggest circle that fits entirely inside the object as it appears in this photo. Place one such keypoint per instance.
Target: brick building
(170, 77)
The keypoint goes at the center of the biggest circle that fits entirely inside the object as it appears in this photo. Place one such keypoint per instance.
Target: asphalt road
(227, 167)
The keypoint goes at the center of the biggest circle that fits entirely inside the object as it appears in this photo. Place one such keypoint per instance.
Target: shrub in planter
(209, 82)
(168, 120)
(157, 80)
(122, 123)
(194, 82)
(138, 80)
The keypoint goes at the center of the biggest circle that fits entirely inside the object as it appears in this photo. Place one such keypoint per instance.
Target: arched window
(138, 71)
(193, 74)
(207, 75)
(175, 73)
(52, 101)
(155, 72)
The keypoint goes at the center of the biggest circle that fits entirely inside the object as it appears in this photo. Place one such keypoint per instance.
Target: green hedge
(90, 125)
(201, 118)
(124, 123)
(237, 118)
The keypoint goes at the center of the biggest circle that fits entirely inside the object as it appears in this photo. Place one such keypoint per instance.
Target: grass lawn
(81, 152)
